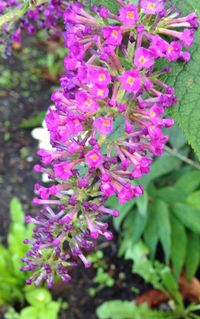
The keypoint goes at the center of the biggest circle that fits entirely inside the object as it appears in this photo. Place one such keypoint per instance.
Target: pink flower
(173, 51)
(104, 125)
(99, 76)
(94, 159)
(144, 58)
(128, 15)
(99, 92)
(187, 37)
(63, 170)
(152, 6)
(158, 46)
(85, 102)
(130, 81)
(112, 35)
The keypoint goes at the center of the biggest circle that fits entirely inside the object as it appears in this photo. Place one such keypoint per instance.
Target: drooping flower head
(105, 126)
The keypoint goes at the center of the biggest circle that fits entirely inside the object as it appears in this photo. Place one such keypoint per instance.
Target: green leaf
(185, 78)
(142, 204)
(194, 199)
(161, 166)
(163, 219)
(193, 255)
(151, 234)
(188, 216)
(38, 297)
(179, 244)
(16, 211)
(117, 309)
(118, 128)
(50, 311)
(110, 4)
(188, 182)
(170, 195)
(29, 312)
(34, 121)
(113, 203)
(176, 137)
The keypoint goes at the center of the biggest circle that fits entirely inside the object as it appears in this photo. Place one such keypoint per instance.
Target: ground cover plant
(131, 70)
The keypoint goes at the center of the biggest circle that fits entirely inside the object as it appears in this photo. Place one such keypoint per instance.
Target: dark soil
(16, 174)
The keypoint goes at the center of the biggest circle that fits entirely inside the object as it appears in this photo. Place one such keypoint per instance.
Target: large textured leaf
(179, 245)
(185, 78)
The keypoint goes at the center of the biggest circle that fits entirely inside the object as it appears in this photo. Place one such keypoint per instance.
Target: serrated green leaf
(185, 78)
(188, 216)
(164, 227)
(193, 255)
(179, 244)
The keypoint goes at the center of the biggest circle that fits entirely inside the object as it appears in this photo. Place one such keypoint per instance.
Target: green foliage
(34, 121)
(102, 278)
(185, 78)
(12, 280)
(41, 306)
(117, 309)
(169, 215)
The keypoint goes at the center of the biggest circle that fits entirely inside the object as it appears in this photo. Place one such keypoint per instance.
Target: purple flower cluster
(105, 125)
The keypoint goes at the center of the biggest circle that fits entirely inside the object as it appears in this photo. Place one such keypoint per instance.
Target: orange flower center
(89, 101)
(130, 15)
(142, 59)
(151, 6)
(106, 122)
(76, 122)
(152, 113)
(130, 80)
(115, 33)
(102, 77)
(100, 92)
(94, 157)
(170, 49)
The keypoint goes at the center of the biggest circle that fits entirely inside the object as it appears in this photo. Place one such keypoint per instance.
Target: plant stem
(182, 157)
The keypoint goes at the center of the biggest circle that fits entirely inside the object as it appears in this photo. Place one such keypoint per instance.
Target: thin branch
(182, 157)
